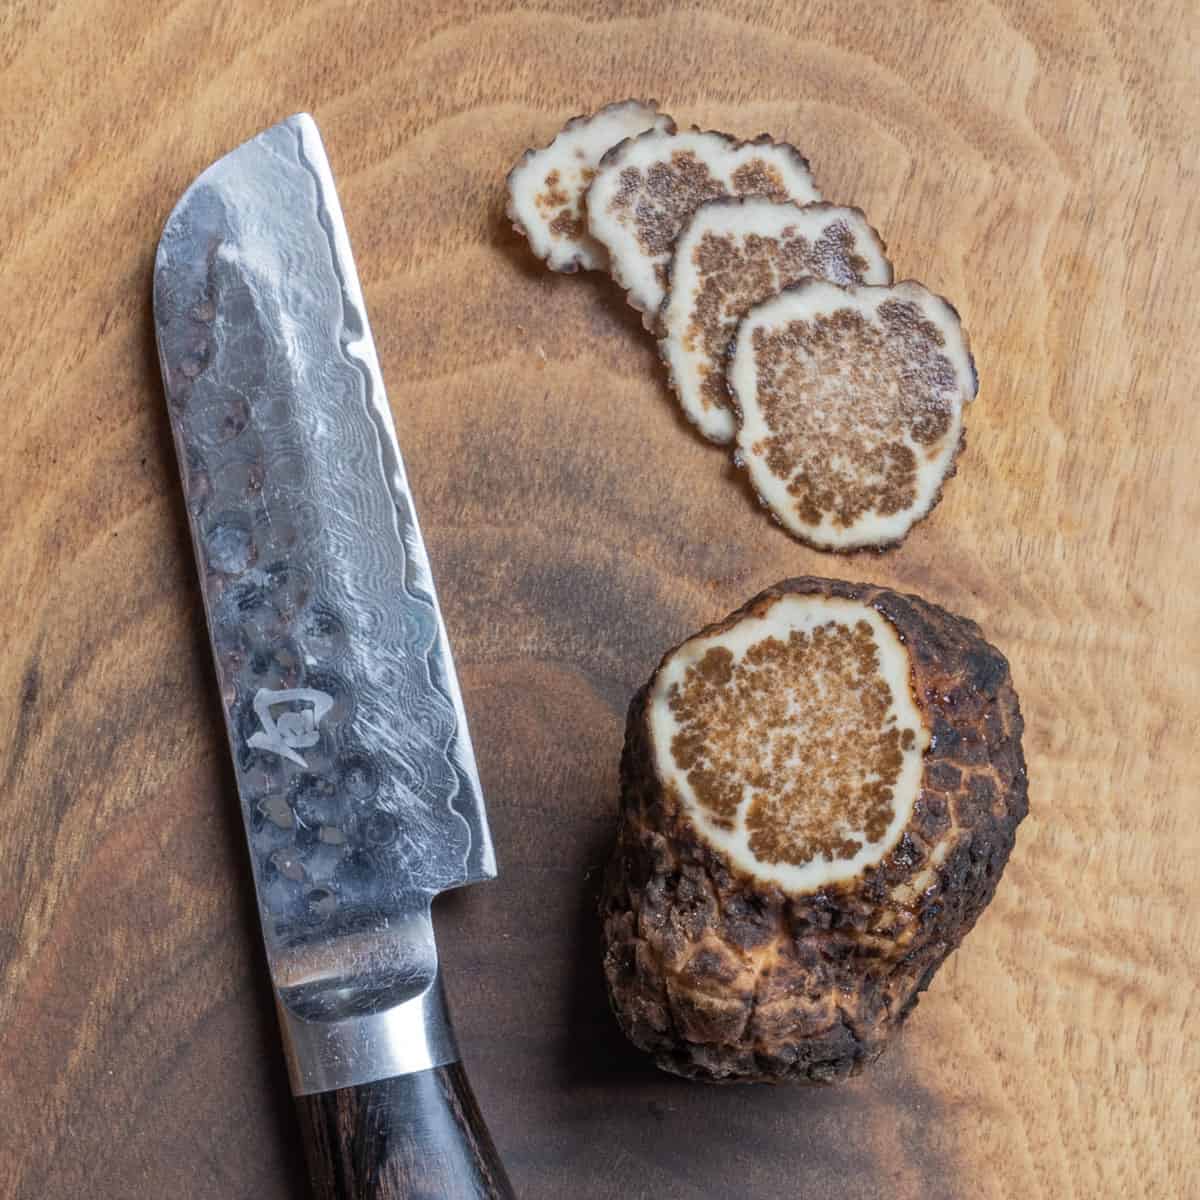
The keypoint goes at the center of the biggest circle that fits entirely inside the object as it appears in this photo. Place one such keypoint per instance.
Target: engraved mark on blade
(295, 728)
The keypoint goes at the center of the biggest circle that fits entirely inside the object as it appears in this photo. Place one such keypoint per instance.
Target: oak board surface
(1036, 163)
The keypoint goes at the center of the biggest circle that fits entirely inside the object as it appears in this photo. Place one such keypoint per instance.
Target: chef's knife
(358, 784)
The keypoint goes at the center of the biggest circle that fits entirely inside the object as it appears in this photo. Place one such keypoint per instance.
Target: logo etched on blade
(294, 729)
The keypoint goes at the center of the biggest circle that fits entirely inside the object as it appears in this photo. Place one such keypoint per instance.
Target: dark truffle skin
(725, 978)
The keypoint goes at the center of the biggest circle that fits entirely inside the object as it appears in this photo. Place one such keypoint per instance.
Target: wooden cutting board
(1035, 163)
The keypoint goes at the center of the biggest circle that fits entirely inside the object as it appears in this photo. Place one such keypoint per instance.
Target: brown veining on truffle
(554, 196)
(759, 178)
(738, 272)
(800, 730)
(662, 197)
(840, 394)
(567, 224)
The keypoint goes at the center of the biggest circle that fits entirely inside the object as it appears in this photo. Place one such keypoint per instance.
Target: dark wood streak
(414, 1137)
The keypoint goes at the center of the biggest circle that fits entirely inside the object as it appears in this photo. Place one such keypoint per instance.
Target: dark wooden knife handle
(414, 1137)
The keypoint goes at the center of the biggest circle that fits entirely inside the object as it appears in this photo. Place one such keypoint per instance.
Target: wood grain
(1036, 163)
(413, 1137)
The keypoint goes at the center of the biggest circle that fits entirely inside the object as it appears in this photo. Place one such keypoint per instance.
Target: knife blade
(357, 778)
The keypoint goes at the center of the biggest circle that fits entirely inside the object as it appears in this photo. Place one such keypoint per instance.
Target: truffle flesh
(647, 187)
(849, 406)
(732, 255)
(546, 187)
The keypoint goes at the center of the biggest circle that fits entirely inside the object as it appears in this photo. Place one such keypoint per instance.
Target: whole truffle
(818, 797)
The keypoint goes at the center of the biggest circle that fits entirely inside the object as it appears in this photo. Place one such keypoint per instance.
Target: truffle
(733, 254)
(648, 186)
(818, 797)
(850, 408)
(546, 187)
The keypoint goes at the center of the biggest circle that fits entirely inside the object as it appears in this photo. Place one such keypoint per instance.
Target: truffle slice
(546, 187)
(850, 408)
(734, 254)
(818, 797)
(646, 188)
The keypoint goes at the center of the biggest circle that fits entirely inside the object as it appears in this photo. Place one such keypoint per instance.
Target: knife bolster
(410, 1036)
(385, 1107)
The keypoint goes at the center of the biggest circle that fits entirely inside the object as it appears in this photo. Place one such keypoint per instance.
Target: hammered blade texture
(353, 760)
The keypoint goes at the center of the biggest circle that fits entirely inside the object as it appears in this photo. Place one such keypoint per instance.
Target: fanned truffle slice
(818, 797)
(850, 408)
(546, 187)
(734, 254)
(646, 188)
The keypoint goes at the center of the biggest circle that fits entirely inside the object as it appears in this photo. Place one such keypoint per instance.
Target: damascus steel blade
(354, 765)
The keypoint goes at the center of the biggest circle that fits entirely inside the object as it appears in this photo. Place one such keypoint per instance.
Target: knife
(358, 785)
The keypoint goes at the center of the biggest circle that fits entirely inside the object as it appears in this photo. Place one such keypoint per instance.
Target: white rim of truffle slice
(647, 187)
(734, 254)
(793, 740)
(546, 187)
(850, 408)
